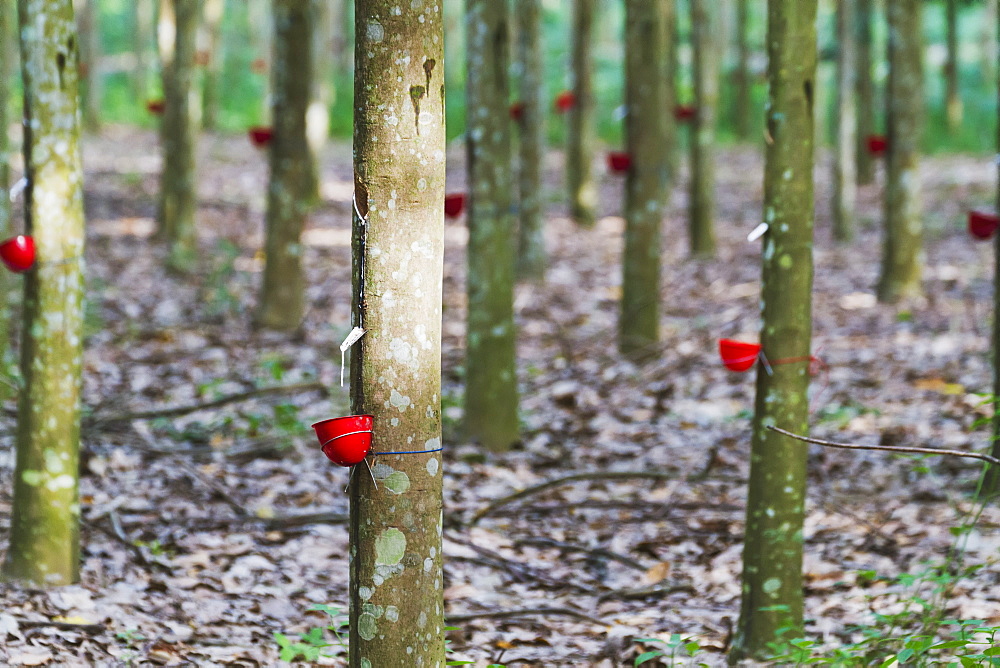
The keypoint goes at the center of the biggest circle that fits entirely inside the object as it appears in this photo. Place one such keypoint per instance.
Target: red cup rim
(342, 417)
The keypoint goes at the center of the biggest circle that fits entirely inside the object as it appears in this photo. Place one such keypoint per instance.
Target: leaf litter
(206, 533)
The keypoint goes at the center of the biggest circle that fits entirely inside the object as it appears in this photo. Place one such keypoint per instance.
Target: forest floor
(207, 532)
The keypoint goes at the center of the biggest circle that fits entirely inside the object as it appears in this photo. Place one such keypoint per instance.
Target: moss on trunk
(44, 533)
(646, 181)
(282, 302)
(581, 133)
(490, 377)
(214, 10)
(397, 609)
(181, 119)
(742, 100)
(902, 246)
(772, 553)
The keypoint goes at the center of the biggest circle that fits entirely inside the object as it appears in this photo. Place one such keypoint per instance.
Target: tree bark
(282, 302)
(397, 606)
(646, 181)
(142, 36)
(214, 10)
(990, 48)
(772, 554)
(181, 118)
(672, 97)
(531, 240)
(580, 137)
(953, 96)
(704, 18)
(901, 256)
(258, 11)
(90, 66)
(845, 161)
(743, 102)
(491, 380)
(865, 91)
(44, 534)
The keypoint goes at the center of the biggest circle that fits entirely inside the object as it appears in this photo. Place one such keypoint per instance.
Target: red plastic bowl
(982, 226)
(345, 441)
(156, 107)
(685, 112)
(619, 162)
(565, 101)
(738, 355)
(18, 253)
(877, 144)
(454, 204)
(260, 135)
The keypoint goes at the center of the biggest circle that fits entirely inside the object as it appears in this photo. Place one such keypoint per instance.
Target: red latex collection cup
(260, 135)
(454, 204)
(18, 253)
(345, 441)
(619, 162)
(983, 226)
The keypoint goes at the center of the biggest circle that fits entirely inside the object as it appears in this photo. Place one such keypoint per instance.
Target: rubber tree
(845, 161)
(581, 131)
(7, 57)
(181, 119)
(44, 531)
(902, 244)
(742, 101)
(953, 97)
(212, 62)
(531, 258)
(864, 86)
(89, 31)
(142, 37)
(396, 576)
(671, 76)
(772, 552)
(646, 180)
(326, 18)
(259, 16)
(991, 483)
(988, 45)
(282, 298)
(490, 379)
(704, 22)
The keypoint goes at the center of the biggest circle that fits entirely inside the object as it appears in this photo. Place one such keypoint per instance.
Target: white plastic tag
(351, 339)
(758, 232)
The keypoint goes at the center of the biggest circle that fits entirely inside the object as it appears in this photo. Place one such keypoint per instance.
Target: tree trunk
(490, 378)
(845, 162)
(991, 482)
(704, 18)
(44, 533)
(646, 181)
(743, 101)
(89, 28)
(990, 48)
(142, 36)
(951, 71)
(259, 15)
(674, 131)
(865, 91)
(181, 119)
(531, 239)
(321, 92)
(397, 607)
(772, 554)
(901, 257)
(8, 37)
(282, 302)
(580, 122)
(214, 10)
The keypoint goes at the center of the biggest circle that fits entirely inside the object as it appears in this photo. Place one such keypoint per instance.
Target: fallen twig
(177, 411)
(558, 482)
(658, 589)
(216, 488)
(519, 571)
(92, 629)
(599, 552)
(506, 614)
(889, 448)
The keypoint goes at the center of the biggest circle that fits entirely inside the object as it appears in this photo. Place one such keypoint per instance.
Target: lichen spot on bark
(390, 546)
(397, 483)
(432, 463)
(771, 586)
(367, 628)
(375, 32)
